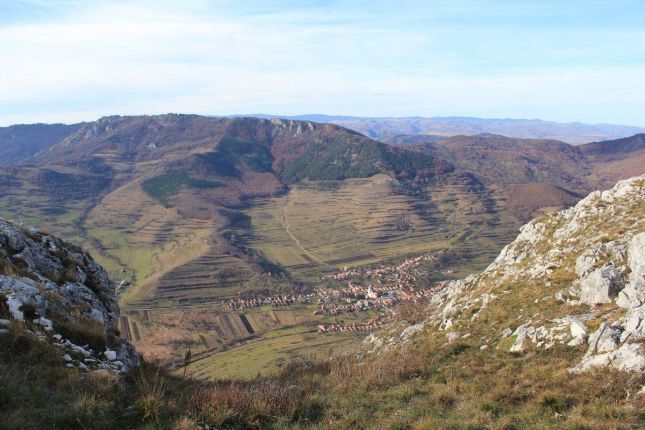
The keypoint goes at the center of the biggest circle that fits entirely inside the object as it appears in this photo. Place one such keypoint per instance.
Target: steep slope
(571, 278)
(19, 143)
(534, 176)
(64, 296)
(614, 158)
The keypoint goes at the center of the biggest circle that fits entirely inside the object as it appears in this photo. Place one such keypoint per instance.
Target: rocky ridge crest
(60, 295)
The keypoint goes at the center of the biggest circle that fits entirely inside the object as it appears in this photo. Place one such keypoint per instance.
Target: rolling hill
(188, 212)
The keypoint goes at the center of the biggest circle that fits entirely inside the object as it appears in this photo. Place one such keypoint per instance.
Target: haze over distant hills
(18, 143)
(388, 127)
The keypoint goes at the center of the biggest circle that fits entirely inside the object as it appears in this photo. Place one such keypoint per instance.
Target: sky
(76, 60)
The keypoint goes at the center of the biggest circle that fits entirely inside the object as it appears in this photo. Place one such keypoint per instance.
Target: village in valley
(344, 306)
(374, 289)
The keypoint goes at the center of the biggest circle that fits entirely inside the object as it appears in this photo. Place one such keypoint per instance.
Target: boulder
(578, 333)
(453, 336)
(627, 358)
(633, 324)
(630, 297)
(522, 333)
(606, 338)
(636, 261)
(601, 285)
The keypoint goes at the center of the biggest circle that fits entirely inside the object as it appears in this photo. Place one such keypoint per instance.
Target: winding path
(285, 224)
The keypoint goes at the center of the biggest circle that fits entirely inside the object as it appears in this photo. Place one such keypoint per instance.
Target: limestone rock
(590, 254)
(453, 336)
(628, 358)
(633, 325)
(53, 282)
(584, 265)
(606, 338)
(630, 297)
(601, 285)
(636, 261)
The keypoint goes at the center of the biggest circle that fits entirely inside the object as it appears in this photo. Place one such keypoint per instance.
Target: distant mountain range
(386, 128)
(18, 143)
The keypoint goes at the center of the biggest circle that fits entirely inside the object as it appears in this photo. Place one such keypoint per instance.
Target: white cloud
(207, 57)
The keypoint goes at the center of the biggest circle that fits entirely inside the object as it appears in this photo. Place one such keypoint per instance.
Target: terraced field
(142, 240)
(261, 356)
(24, 200)
(311, 230)
(225, 343)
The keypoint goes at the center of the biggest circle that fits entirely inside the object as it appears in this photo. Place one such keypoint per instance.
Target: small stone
(577, 329)
(4, 331)
(67, 357)
(4, 323)
(110, 355)
(453, 336)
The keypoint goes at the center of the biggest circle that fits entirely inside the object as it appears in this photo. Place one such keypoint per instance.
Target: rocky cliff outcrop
(61, 295)
(574, 278)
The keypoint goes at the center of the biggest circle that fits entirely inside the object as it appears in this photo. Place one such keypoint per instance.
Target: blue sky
(72, 60)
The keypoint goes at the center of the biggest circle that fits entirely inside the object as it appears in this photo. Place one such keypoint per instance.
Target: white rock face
(601, 285)
(628, 358)
(58, 283)
(633, 325)
(606, 338)
(633, 295)
(636, 261)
